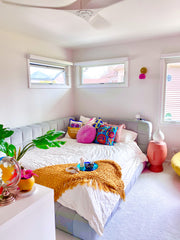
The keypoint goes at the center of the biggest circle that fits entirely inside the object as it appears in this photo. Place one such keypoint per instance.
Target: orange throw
(106, 177)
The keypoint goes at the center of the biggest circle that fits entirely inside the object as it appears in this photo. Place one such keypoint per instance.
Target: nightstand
(30, 217)
(156, 153)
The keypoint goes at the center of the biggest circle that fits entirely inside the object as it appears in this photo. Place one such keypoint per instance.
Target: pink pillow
(118, 133)
(86, 134)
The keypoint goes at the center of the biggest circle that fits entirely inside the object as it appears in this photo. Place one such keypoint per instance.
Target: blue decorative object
(169, 78)
(88, 168)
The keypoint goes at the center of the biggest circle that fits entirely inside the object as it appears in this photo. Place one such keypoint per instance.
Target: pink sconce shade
(142, 76)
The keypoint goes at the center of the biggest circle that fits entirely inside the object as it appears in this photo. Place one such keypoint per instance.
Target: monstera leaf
(49, 140)
(5, 132)
(8, 149)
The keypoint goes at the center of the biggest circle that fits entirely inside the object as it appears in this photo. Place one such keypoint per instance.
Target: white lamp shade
(158, 136)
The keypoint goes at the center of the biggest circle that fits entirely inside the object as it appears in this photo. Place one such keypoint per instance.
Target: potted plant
(44, 142)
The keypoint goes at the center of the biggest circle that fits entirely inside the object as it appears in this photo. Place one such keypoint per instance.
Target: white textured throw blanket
(94, 205)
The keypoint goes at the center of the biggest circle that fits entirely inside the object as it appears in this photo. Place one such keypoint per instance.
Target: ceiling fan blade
(99, 22)
(62, 4)
(55, 4)
(90, 4)
(93, 4)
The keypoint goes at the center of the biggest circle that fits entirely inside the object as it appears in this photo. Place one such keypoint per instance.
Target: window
(48, 73)
(103, 73)
(171, 93)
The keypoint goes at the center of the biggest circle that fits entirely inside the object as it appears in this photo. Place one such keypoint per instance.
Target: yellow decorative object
(26, 184)
(7, 172)
(107, 177)
(143, 70)
(175, 163)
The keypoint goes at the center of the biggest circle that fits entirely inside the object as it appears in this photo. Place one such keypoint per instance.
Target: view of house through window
(47, 74)
(172, 92)
(103, 74)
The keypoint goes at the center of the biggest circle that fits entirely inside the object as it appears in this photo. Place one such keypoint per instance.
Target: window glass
(103, 74)
(48, 73)
(172, 92)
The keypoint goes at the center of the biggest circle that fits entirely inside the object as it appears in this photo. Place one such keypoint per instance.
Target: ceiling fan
(86, 9)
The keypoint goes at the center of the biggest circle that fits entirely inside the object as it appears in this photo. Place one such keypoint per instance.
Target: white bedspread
(94, 205)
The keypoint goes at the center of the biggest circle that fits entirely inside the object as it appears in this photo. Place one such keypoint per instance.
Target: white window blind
(171, 104)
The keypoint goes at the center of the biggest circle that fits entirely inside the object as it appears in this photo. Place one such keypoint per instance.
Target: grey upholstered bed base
(24, 135)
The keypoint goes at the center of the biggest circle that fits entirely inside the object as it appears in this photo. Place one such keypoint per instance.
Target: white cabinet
(30, 217)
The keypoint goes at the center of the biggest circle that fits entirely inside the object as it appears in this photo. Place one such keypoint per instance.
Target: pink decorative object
(25, 174)
(156, 153)
(142, 76)
(86, 134)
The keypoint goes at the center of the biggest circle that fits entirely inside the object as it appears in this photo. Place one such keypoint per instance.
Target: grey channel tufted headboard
(23, 135)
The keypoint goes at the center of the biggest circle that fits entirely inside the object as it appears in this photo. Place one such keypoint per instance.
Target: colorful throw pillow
(106, 135)
(72, 132)
(75, 124)
(98, 123)
(118, 134)
(86, 134)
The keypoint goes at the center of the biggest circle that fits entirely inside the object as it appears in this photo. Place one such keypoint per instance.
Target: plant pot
(26, 184)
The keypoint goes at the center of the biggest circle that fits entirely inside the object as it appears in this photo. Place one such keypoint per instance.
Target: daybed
(72, 207)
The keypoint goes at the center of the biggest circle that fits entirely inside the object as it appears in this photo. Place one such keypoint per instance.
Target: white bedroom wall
(20, 105)
(142, 96)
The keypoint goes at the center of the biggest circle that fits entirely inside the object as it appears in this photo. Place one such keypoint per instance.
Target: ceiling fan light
(86, 14)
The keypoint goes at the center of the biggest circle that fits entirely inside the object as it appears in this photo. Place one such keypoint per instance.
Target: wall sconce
(143, 71)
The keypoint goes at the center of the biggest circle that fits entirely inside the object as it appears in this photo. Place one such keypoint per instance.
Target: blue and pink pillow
(75, 124)
(106, 135)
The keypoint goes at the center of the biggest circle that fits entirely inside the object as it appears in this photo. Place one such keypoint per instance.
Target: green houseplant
(44, 142)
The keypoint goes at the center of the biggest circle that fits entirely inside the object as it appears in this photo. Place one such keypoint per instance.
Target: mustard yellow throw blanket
(107, 177)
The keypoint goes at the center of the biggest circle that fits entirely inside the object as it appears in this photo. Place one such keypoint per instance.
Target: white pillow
(86, 120)
(127, 135)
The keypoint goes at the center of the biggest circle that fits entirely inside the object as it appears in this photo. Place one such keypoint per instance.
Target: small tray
(87, 170)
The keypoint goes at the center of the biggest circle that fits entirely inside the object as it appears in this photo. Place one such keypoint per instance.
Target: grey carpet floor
(151, 210)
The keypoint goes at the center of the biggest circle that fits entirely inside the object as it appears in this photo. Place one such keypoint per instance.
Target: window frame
(80, 65)
(49, 62)
(164, 60)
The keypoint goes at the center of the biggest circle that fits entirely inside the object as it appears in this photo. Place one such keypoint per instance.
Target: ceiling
(127, 20)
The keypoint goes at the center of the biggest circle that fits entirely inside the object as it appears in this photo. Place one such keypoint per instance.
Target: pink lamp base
(156, 168)
(156, 153)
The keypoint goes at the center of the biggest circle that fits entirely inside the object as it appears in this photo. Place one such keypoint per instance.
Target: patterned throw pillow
(75, 124)
(118, 134)
(98, 123)
(106, 135)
